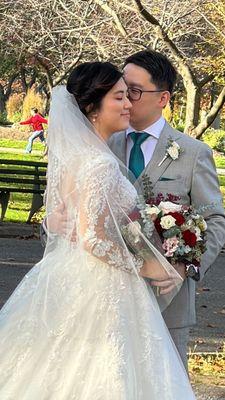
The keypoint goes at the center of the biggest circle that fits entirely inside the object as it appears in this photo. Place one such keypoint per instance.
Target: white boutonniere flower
(173, 150)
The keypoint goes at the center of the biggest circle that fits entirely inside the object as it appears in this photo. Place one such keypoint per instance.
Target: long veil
(83, 184)
(82, 321)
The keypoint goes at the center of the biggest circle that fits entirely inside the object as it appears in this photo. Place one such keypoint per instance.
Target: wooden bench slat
(21, 190)
(22, 177)
(21, 172)
(21, 162)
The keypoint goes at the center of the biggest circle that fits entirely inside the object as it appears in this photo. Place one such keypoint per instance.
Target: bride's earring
(94, 118)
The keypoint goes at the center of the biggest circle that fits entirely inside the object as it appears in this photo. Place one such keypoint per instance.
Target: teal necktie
(137, 161)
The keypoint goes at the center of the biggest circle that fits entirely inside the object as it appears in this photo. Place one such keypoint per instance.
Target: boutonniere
(173, 150)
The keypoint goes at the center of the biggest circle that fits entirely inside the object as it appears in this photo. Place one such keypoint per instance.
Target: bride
(82, 324)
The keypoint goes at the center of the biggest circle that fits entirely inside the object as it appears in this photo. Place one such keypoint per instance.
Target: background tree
(51, 37)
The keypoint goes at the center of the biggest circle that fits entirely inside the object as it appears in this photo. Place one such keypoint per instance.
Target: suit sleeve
(205, 191)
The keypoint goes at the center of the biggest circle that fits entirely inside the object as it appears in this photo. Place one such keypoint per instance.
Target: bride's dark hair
(89, 82)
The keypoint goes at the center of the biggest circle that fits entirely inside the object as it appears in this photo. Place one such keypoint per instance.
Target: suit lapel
(118, 145)
(153, 170)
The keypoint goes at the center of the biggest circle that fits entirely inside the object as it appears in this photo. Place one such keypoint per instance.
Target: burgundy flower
(158, 226)
(134, 215)
(178, 217)
(189, 238)
(173, 198)
(150, 201)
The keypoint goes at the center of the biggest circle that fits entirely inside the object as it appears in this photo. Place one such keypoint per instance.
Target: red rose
(189, 238)
(134, 215)
(178, 217)
(158, 226)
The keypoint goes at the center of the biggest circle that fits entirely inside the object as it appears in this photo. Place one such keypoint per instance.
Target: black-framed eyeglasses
(135, 93)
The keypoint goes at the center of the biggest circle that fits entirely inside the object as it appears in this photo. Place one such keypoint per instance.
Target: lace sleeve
(99, 218)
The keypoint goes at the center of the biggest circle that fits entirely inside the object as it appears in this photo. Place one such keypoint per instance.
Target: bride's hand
(153, 269)
(167, 285)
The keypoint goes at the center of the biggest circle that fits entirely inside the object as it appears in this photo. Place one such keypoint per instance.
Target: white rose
(152, 210)
(198, 233)
(173, 152)
(167, 206)
(167, 222)
(203, 225)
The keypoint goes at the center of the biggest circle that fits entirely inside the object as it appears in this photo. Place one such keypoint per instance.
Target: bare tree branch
(111, 12)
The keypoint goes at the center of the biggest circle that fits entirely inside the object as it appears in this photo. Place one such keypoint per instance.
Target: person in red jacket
(38, 131)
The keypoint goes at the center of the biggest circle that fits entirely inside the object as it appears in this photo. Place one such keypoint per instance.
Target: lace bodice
(105, 198)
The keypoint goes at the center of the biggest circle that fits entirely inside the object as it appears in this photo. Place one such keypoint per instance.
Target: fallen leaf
(211, 326)
(221, 312)
(203, 289)
(200, 341)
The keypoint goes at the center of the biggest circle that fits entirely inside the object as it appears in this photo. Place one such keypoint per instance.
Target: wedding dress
(82, 324)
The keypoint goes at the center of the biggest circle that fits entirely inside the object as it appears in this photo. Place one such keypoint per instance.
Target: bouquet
(182, 232)
(180, 228)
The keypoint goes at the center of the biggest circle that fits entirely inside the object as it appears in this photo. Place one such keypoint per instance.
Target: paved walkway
(20, 249)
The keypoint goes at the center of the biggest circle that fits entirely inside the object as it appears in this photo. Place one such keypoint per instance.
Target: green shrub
(17, 116)
(215, 138)
(3, 119)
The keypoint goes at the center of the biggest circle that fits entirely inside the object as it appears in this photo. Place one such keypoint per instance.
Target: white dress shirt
(148, 146)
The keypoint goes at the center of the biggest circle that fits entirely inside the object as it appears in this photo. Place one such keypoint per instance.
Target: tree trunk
(192, 107)
(23, 79)
(200, 129)
(2, 99)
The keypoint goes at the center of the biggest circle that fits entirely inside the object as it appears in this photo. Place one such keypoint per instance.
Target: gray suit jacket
(193, 178)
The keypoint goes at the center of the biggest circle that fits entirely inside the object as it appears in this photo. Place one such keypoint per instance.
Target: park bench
(22, 177)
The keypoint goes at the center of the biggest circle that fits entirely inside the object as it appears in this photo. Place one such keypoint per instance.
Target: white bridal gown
(81, 325)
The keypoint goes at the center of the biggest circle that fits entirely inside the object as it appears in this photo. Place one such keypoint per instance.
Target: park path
(20, 249)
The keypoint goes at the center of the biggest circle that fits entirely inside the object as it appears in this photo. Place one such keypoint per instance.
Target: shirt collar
(153, 130)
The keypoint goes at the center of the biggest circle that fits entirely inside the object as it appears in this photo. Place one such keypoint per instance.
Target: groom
(150, 78)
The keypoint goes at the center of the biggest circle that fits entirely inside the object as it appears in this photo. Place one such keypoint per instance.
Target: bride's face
(114, 113)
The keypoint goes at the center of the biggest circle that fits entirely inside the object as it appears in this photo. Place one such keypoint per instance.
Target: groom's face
(148, 108)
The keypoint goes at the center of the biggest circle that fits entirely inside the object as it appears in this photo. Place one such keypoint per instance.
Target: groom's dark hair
(163, 73)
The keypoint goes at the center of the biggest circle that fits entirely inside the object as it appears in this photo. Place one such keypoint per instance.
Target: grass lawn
(19, 208)
(22, 156)
(19, 205)
(20, 144)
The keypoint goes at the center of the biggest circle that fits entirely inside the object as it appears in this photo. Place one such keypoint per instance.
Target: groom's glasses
(135, 94)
